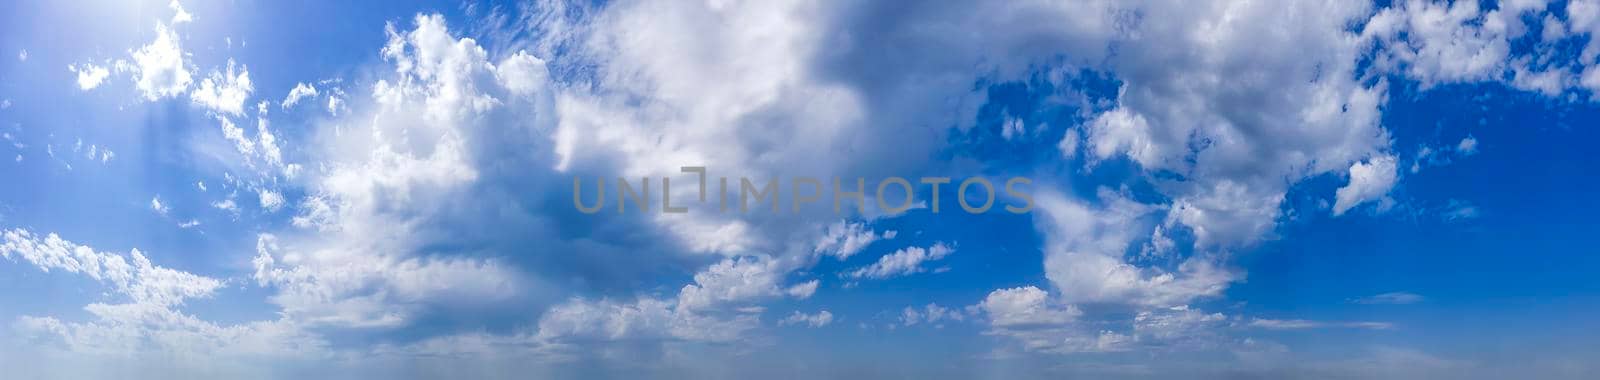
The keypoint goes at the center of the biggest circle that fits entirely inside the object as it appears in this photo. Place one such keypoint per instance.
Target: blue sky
(1301, 189)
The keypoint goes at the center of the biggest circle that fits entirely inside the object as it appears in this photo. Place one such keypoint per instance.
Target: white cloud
(132, 275)
(89, 75)
(148, 322)
(1468, 146)
(733, 280)
(224, 92)
(300, 91)
(1391, 298)
(1369, 180)
(821, 318)
(226, 205)
(22, 55)
(1241, 101)
(1084, 255)
(162, 68)
(233, 133)
(1012, 127)
(1025, 306)
(157, 206)
(803, 290)
(335, 104)
(844, 239)
(381, 197)
(1301, 324)
(270, 200)
(269, 144)
(1120, 131)
(1027, 316)
(522, 74)
(179, 15)
(1437, 42)
(353, 287)
(903, 262)
(647, 319)
(1458, 210)
(931, 314)
(1069, 144)
(1176, 325)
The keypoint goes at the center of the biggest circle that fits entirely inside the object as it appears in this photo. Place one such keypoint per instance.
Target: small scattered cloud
(1369, 180)
(225, 91)
(821, 318)
(300, 91)
(1467, 147)
(1458, 210)
(89, 75)
(844, 239)
(158, 207)
(1390, 298)
(1302, 324)
(271, 201)
(179, 14)
(803, 290)
(161, 68)
(931, 314)
(903, 262)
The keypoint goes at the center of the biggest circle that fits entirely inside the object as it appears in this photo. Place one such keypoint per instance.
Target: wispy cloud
(1390, 298)
(1303, 324)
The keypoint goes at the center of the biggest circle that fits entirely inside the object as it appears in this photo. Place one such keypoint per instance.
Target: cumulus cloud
(328, 287)
(179, 14)
(409, 190)
(844, 239)
(89, 75)
(226, 205)
(379, 201)
(1084, 258)
(646, 319)
(932, 314)
(224, 92)
(162, 68)
(1025, 306)
(1468, 146)
(1028, 316)
(1177, 325)
(132, 275)
(821, 318)
(803, 290)
(1439, 42)
(738, 279)
(270, 200)
(1369, 180)
(157, 206)
(149, 319)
